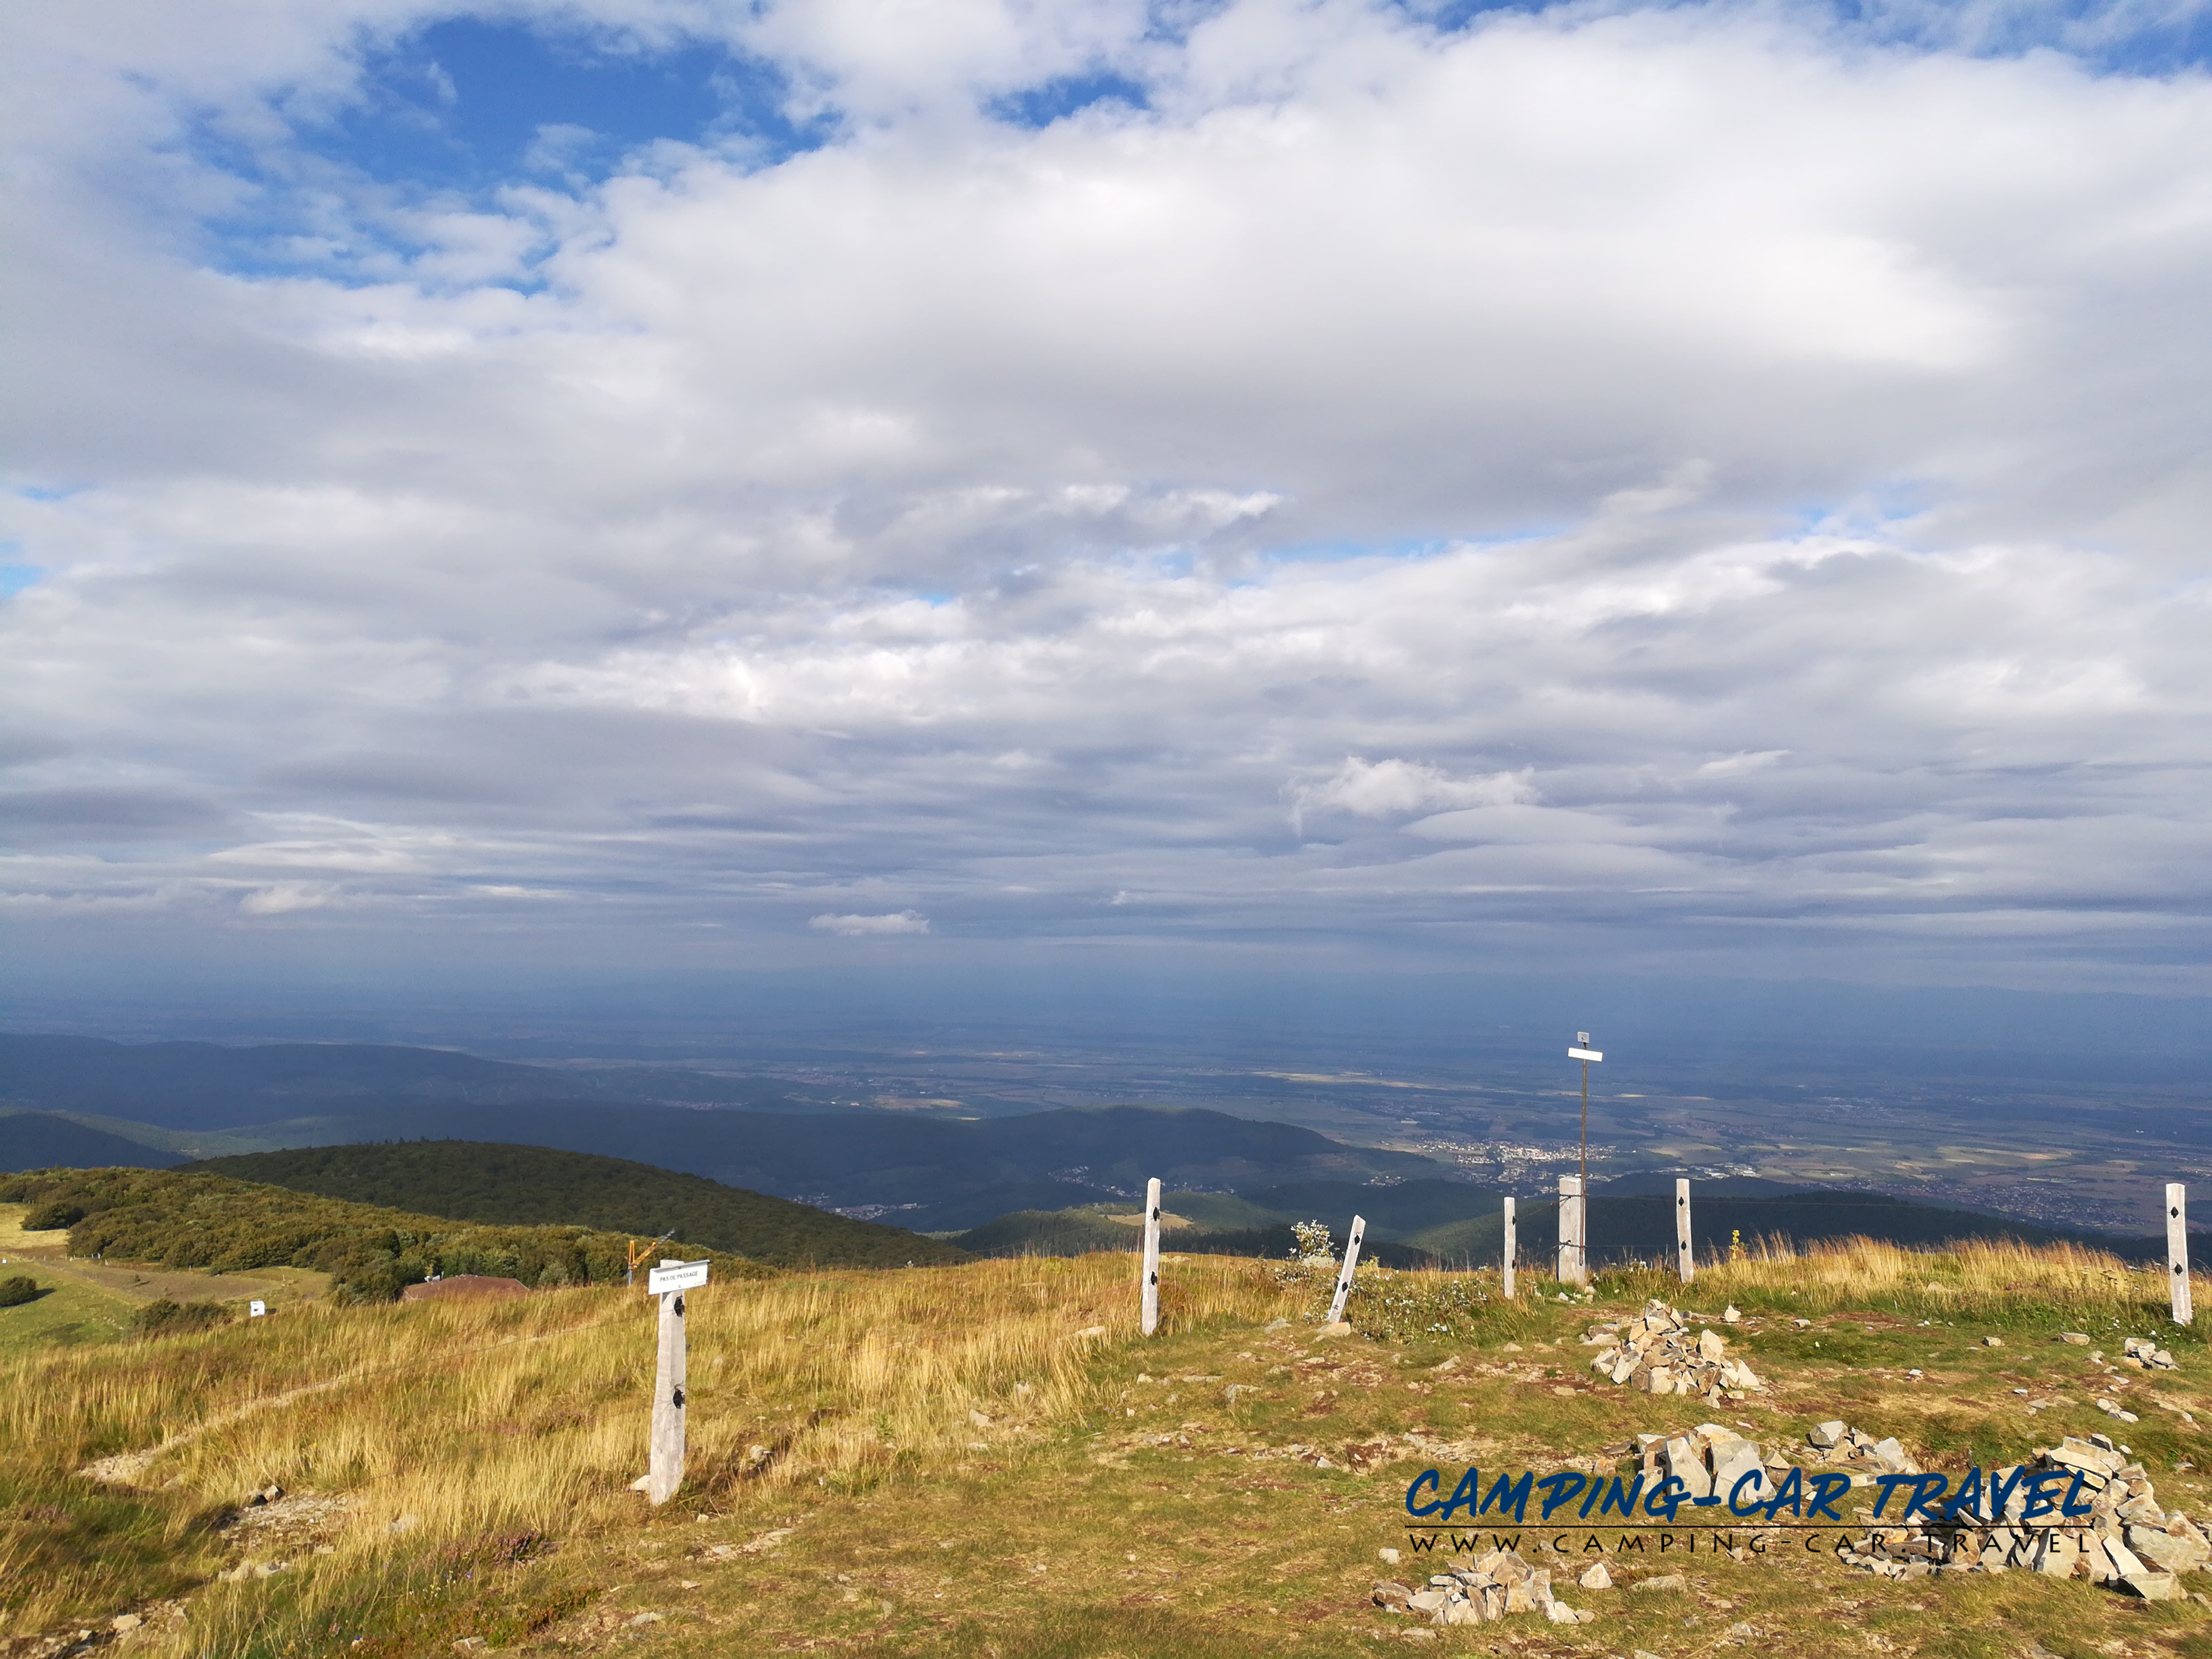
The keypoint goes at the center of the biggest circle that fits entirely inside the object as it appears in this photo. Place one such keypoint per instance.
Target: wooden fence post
(2176, 1251)
(664, 1471)
(1350, 1261)
(1574, 1266)
(1151, 1316)
(1512, 1248)
(1685, 1259)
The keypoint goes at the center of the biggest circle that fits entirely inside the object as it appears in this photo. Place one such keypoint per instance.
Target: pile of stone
(2146, 1355)
(1490, 1588)
(1656, 1352)
(2127, 1540)
(1861, 1453)
(1709, 1459)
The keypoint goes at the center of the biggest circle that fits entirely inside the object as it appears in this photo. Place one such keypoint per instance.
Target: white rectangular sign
(1584, 1053)
(684, 1276)
(255, 1310)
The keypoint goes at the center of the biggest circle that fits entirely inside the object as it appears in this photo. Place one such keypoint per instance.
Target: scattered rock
(1709, 1461)
(1860, 1452)
(2079, 1339)
(2148, 1354)
(1596, 1577)
(2127, 1541)
(124, 1621)
(1100, 1330)
(1656, 1354)
(1993, 1342)
(1731, 1315)
(1341, 1328)
(1491, 1587)
(647, 1619)
(1665, 1580)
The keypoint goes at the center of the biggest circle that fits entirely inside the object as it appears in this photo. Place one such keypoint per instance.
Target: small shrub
(15, 1292)
(168, 1318)
(48, 1218)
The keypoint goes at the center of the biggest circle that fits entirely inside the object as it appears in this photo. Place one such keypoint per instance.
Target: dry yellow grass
(447, 1428)
(453, 1423)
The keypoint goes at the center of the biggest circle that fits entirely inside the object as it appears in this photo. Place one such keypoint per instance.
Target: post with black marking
(1350, 1264)
(1512, 1248)
(1685, 1258)
(2176, 1251)
(1573, 1264)
(664, 1471)
(1150, 1319)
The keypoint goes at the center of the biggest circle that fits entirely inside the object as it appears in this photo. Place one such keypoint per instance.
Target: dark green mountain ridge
(517, 1185)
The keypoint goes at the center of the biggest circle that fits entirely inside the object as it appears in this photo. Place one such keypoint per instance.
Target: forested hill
(534, 1186)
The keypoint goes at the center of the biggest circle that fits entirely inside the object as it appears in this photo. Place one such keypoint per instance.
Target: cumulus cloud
(1711, 476)
(898, 922)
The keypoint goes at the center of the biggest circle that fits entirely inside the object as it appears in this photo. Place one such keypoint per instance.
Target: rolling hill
(40, 1140)
(176, 1218)
(513, 1185)
(207, 1086)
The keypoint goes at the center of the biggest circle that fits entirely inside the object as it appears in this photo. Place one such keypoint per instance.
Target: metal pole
(1585, 1164)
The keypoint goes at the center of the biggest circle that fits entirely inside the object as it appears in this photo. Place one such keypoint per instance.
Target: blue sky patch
(466, 105)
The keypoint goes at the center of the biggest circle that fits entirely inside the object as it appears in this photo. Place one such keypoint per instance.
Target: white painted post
(1151, 1320)
(2176, 1251)
(1512, 1248)
(1573, 1267)
(665, 1469)
(1351, 1263)
(1685, 1258)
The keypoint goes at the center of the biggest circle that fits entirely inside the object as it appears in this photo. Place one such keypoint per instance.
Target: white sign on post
(254, 1310)
(676, 1276)
(1584, 1053)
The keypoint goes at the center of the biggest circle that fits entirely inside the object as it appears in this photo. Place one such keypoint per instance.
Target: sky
(1219, 488)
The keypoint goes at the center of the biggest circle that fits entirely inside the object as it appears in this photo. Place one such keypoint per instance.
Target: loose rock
(1489, 1589)
(2127, 1540)
(1656, 1353)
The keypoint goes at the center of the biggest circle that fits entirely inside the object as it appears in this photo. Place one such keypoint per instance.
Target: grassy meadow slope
(986, 1460)
(538, 1186)
(166, 1217)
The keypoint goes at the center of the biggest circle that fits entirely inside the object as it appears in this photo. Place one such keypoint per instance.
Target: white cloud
(898, 922)
(1674, 468)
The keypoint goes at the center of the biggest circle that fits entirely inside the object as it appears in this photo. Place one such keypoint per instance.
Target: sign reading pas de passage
(1754, 1496)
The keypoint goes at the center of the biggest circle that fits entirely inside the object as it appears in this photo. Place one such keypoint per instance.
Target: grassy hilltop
(986, 1458)
(537, 1186)
(167, 1218)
